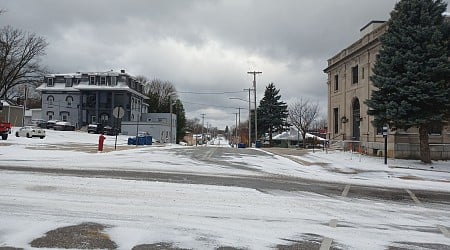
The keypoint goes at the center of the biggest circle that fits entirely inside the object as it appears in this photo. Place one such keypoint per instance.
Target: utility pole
(203, 124)
(235, 132)
(254, 73)
(249, 120)
(171, 125)
(239, 125)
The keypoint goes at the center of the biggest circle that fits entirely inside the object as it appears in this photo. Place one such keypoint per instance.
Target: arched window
(69, 100)
(50, 115)
(356, 119)
(50, 100)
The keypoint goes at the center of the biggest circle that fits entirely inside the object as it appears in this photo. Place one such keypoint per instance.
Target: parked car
(64, 126)
(96, 128)
(51, 123)
(30, 131)
(108, 130)
(38, 123)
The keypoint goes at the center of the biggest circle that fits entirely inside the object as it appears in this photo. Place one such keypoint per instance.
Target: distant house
(90, 97)
(293, 138)
(11, 113)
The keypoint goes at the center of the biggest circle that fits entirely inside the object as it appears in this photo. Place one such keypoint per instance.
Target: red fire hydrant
(101, 139)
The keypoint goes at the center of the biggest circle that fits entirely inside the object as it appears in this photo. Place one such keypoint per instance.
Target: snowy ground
(206, 216)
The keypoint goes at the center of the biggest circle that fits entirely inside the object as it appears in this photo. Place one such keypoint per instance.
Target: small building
(12, 113)
(159, 125)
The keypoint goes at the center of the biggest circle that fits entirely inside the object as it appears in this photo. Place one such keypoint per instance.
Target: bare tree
(302, 114)
(20, 54)
(159, 92)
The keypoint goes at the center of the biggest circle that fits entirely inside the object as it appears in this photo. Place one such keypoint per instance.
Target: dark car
(96, 128)
(63, 126)
(51, 123)
(108, 130)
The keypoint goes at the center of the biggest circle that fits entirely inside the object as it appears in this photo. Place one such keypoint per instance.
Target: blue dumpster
(141, 140)
(241, 145)
(258, 144)
(131, 140)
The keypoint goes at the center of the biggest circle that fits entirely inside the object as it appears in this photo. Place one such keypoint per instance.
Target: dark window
(50, 100)
(68, 82)
(362, 73)
(69, 100)
(336, 120)
(102, 80)
(50, 115)
(336, 82)
(379, 130)
(50, 82)
(435, 128)
(355, 74)
(92, 80)
(113, 81)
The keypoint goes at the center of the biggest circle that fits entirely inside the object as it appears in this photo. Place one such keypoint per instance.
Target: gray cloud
(199, 45)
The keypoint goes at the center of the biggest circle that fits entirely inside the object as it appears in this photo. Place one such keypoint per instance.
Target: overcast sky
(201, 46)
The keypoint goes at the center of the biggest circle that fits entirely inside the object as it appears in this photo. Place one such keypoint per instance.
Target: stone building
(90, 97)
(349, 86)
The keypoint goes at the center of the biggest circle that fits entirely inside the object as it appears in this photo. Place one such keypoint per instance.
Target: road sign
(118, 112)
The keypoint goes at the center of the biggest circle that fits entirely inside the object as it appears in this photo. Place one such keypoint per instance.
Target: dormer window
(50, 82)
(102, 80)
(68, 82)
(92, 80)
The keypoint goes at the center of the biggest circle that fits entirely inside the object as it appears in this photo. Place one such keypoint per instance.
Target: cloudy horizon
(201, 46)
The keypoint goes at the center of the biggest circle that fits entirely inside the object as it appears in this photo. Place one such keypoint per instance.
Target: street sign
(118, 112)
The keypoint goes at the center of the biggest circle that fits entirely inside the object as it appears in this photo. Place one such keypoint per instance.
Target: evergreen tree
(272, 113)
(181, 120)
(412, 70)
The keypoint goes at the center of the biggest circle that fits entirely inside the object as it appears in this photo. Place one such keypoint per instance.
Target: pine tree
(272, 113)
(181, 120)
(412, 70)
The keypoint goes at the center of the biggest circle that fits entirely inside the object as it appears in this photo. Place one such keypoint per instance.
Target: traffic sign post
(118, 113)
(385, 134)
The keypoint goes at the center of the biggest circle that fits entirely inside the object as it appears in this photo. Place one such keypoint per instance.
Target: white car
(31, 131)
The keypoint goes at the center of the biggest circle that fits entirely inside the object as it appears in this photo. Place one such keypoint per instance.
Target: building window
(336, 120)
(69, 100)
(50, 100)
(50, 82)
(93, 119)
(104, 118)
(379, 130)
(435, 128)
(92, 80)
(50, 115)
(68, 82)
(113, 81)
(355, 74)
(336, 83)
(64, 116)
(362, 73)
(102, 80)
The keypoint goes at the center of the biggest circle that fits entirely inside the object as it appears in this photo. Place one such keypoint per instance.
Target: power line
(211, 105)
(209, 93)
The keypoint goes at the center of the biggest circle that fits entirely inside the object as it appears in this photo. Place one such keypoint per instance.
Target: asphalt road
(264, 183)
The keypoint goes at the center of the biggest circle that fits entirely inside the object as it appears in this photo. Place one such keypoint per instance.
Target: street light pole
(254, 73)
